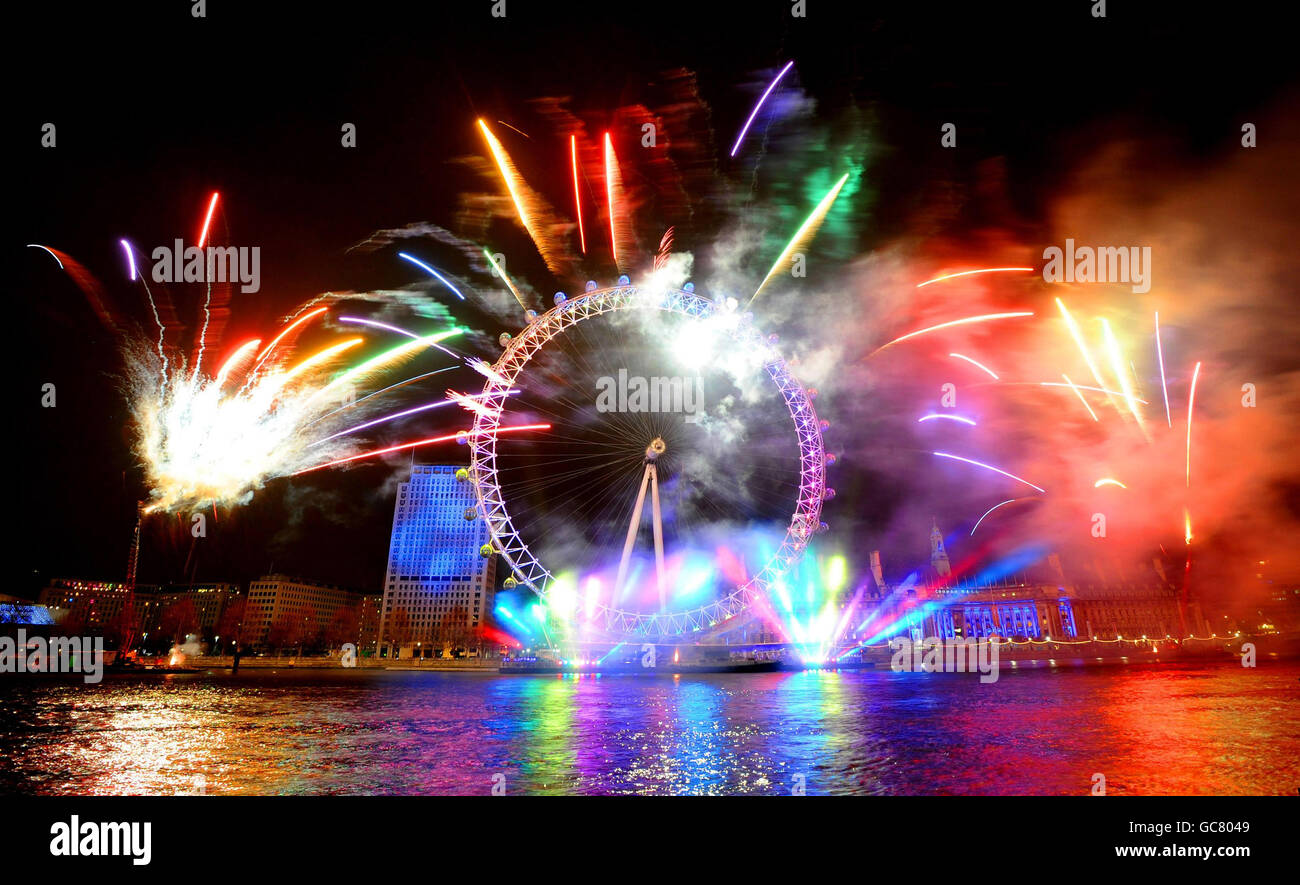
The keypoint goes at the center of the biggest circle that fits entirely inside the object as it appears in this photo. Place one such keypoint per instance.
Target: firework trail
(983, 318)
(501, 272)
(937, 415)
(804, 234)
(577, 193)
(1077, 334)
(1191, 402)
(665, 250)
(207, 220)
(425, 267)
(967, 273)
(989, 467)
(991, 509)
(980, 366)
(207, 299)
(1117, 367)
(1164, 387)
(613, 194)
(1079, 394)
(461, 435)
(529, 207)
(759, 105)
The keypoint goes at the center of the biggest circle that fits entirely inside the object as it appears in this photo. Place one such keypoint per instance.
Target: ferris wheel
(754, 466)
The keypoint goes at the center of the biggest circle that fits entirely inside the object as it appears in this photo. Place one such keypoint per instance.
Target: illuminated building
(89, 606)
(368, 623)
(438, 588)
(1036, 602)
(208, 601)
(284, 611)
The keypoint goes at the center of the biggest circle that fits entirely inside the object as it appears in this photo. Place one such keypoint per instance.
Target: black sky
(156, 109)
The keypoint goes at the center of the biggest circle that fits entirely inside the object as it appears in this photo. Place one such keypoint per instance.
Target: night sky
(155, 110)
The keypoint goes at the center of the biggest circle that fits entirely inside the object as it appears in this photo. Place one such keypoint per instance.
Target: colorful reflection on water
(1171, 729)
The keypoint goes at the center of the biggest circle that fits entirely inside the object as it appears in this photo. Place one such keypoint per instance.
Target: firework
(53, 254)
(130, 257)
(613, 189)
(422, 442)
(982, 318)
(1191, 402)
(967, 273)
(1117, 367)
(1079, 394)
(296, 324)
(500, 271)
(991, 509)
(990, 467)
(439, 277)
(1078, 387)
(1077, 335)
(980, 366)
(527, 205)
(577, 195)
(207, 219)
(204, 440)
(805, 232)
(758, 107)
(1164, 387)
(936, 415)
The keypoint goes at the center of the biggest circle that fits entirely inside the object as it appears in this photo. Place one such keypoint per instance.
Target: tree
(456, 632)
(179, 619)
(123, 627)
(398, 628)
(281, 633)
(344, 627)
(231, 625)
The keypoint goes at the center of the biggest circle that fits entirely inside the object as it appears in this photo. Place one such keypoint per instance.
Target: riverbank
(333, 662)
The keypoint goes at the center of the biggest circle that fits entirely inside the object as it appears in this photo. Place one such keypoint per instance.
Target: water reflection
(1149, 729)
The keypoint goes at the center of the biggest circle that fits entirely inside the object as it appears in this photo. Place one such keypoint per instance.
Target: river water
(1214, 728)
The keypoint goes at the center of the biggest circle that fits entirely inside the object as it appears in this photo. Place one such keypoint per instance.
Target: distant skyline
(139, 153)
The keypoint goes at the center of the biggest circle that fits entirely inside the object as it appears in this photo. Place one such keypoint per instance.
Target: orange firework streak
(287, 329)
(523, 199)
(613, 186)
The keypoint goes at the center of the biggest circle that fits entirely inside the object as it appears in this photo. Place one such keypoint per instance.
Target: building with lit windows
(284, 611)
(439, 586)
(368, 624)
(89, 606)
(1097, 601)
(206, 603)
